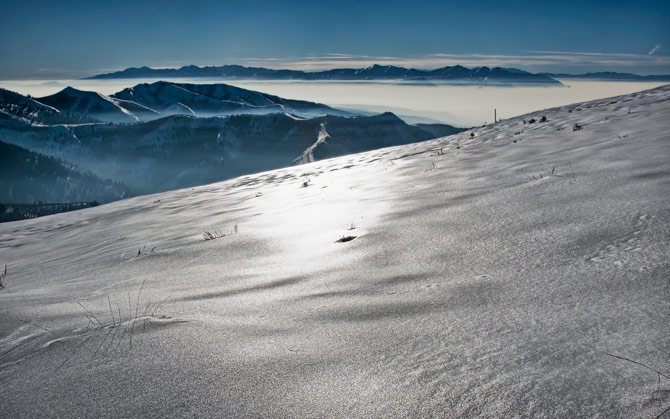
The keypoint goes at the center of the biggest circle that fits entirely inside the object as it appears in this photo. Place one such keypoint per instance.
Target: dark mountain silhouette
(28, 177)
(477, 75)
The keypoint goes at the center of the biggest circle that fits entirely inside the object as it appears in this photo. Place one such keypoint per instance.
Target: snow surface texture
(490, 276)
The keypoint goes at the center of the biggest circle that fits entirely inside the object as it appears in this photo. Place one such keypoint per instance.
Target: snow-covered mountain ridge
(95, 105)
(498, 272)
(146, 102)
(169, 98)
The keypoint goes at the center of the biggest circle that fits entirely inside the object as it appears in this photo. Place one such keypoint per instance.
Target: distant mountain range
(456, 74)
(77, 146)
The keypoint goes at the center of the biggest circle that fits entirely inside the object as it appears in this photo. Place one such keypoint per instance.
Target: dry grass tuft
(2, 278)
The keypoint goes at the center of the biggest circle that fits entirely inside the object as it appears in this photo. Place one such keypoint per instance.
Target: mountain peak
(218, 99)
(71, 90)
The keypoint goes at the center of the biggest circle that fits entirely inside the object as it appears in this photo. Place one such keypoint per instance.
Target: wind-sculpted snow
(515, 270)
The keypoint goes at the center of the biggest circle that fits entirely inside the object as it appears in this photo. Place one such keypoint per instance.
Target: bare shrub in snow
(209, 235)
(2, 278)
(543, 175)
(658, 373)
(123, 321)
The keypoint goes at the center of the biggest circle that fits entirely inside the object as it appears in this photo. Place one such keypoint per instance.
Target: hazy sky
(50, 39)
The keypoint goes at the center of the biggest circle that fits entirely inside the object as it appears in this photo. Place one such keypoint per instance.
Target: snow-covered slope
(216, 99)
(16, 108)
(98, 106)
(492, 275)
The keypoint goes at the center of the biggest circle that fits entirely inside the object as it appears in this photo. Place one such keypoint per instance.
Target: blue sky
(48, 39)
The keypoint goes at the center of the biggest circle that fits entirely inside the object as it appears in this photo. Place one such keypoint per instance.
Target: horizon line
(532, 61)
